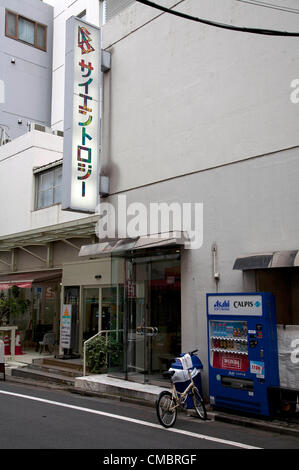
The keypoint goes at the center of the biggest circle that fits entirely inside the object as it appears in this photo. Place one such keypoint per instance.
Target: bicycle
(168, 402)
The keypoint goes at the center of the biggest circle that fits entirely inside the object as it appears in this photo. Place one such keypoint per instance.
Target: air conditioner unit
(34, 126)
(59, 133)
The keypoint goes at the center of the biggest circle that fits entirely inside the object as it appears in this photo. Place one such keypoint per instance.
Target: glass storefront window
(72, 297)
(109, 305)
(90, 312)
(16, 302)
(45, 312)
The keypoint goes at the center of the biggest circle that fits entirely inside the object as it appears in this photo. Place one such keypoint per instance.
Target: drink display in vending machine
(243, 359)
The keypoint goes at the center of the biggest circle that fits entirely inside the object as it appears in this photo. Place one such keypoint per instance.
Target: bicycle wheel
(199, 404)
(166, 416)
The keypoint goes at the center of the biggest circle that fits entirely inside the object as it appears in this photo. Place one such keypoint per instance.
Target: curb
(254, 423)
(34, 383)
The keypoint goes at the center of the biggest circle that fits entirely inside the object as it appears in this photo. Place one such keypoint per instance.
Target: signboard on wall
(242, 304)
(81, 116)
(66, 326)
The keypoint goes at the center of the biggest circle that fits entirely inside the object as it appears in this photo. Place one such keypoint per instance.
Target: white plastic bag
(182, 375)
(186, 361)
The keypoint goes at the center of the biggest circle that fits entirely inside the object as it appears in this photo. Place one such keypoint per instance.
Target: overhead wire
(266, 32)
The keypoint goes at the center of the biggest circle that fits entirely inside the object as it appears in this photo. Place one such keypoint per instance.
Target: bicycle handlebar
(193, 352)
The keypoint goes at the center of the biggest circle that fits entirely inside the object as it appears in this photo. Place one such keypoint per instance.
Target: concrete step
(73, 364)
(105, 385)
(27, 373)
(68, 372)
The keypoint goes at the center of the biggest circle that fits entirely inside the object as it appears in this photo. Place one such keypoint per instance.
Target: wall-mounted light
(104, 185)
(20, 121)
(13, 60)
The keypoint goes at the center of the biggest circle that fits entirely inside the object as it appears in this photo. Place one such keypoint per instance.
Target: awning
(149, 241)
(25, 280)
(8, 285)
(274, 259)
(81, 228)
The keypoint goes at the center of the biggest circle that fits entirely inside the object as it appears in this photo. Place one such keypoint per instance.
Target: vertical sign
(81, 116)
(66, 327)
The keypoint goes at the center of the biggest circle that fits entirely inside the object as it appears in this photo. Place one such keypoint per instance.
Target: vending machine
(243, 359)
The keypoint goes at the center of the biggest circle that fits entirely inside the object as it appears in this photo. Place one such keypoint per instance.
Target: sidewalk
(146, 394)
(22, 360)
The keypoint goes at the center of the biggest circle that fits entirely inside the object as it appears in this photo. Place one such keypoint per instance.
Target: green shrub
(115, 352)
(96, 353)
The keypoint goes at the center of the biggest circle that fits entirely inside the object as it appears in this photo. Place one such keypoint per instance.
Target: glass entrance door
(152, 314)
(136, 321)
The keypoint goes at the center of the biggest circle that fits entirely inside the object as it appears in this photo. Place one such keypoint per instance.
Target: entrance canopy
(274, 259)
(124, 244)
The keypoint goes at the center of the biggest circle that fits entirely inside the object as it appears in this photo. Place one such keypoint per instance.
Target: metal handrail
(92, 338)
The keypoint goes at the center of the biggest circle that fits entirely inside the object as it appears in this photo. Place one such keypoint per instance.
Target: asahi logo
(221, 305)
(295, 352)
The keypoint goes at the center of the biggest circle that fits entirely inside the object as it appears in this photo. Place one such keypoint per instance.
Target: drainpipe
(216, 274)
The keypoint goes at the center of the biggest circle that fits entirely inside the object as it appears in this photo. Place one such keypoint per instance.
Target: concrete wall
(84, 272)
(249, 207)
(27, 83)
(182, 97)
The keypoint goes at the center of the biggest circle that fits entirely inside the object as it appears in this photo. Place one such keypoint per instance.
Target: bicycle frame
(179, 396)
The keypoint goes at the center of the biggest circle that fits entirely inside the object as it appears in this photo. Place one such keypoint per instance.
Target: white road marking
(132, 420)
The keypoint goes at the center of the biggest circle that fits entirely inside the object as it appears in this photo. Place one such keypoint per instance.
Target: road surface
(36, 418)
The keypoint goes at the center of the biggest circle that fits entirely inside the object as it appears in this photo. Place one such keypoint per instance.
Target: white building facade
(189, 114)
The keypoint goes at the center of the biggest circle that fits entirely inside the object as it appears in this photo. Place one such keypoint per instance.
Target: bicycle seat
(168, 374)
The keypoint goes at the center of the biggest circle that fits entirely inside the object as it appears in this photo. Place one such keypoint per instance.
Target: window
(48, 187)
(26, 30)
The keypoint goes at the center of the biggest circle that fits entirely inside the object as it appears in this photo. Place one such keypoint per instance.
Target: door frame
(81, 308)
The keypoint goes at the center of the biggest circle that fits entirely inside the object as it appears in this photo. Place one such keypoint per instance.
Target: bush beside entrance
(97, 352)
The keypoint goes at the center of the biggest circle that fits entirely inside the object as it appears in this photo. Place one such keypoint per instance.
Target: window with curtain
(48, 187)
(11, 24)
(26, 30)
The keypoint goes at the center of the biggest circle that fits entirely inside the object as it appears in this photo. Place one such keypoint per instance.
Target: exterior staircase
(57, 371)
